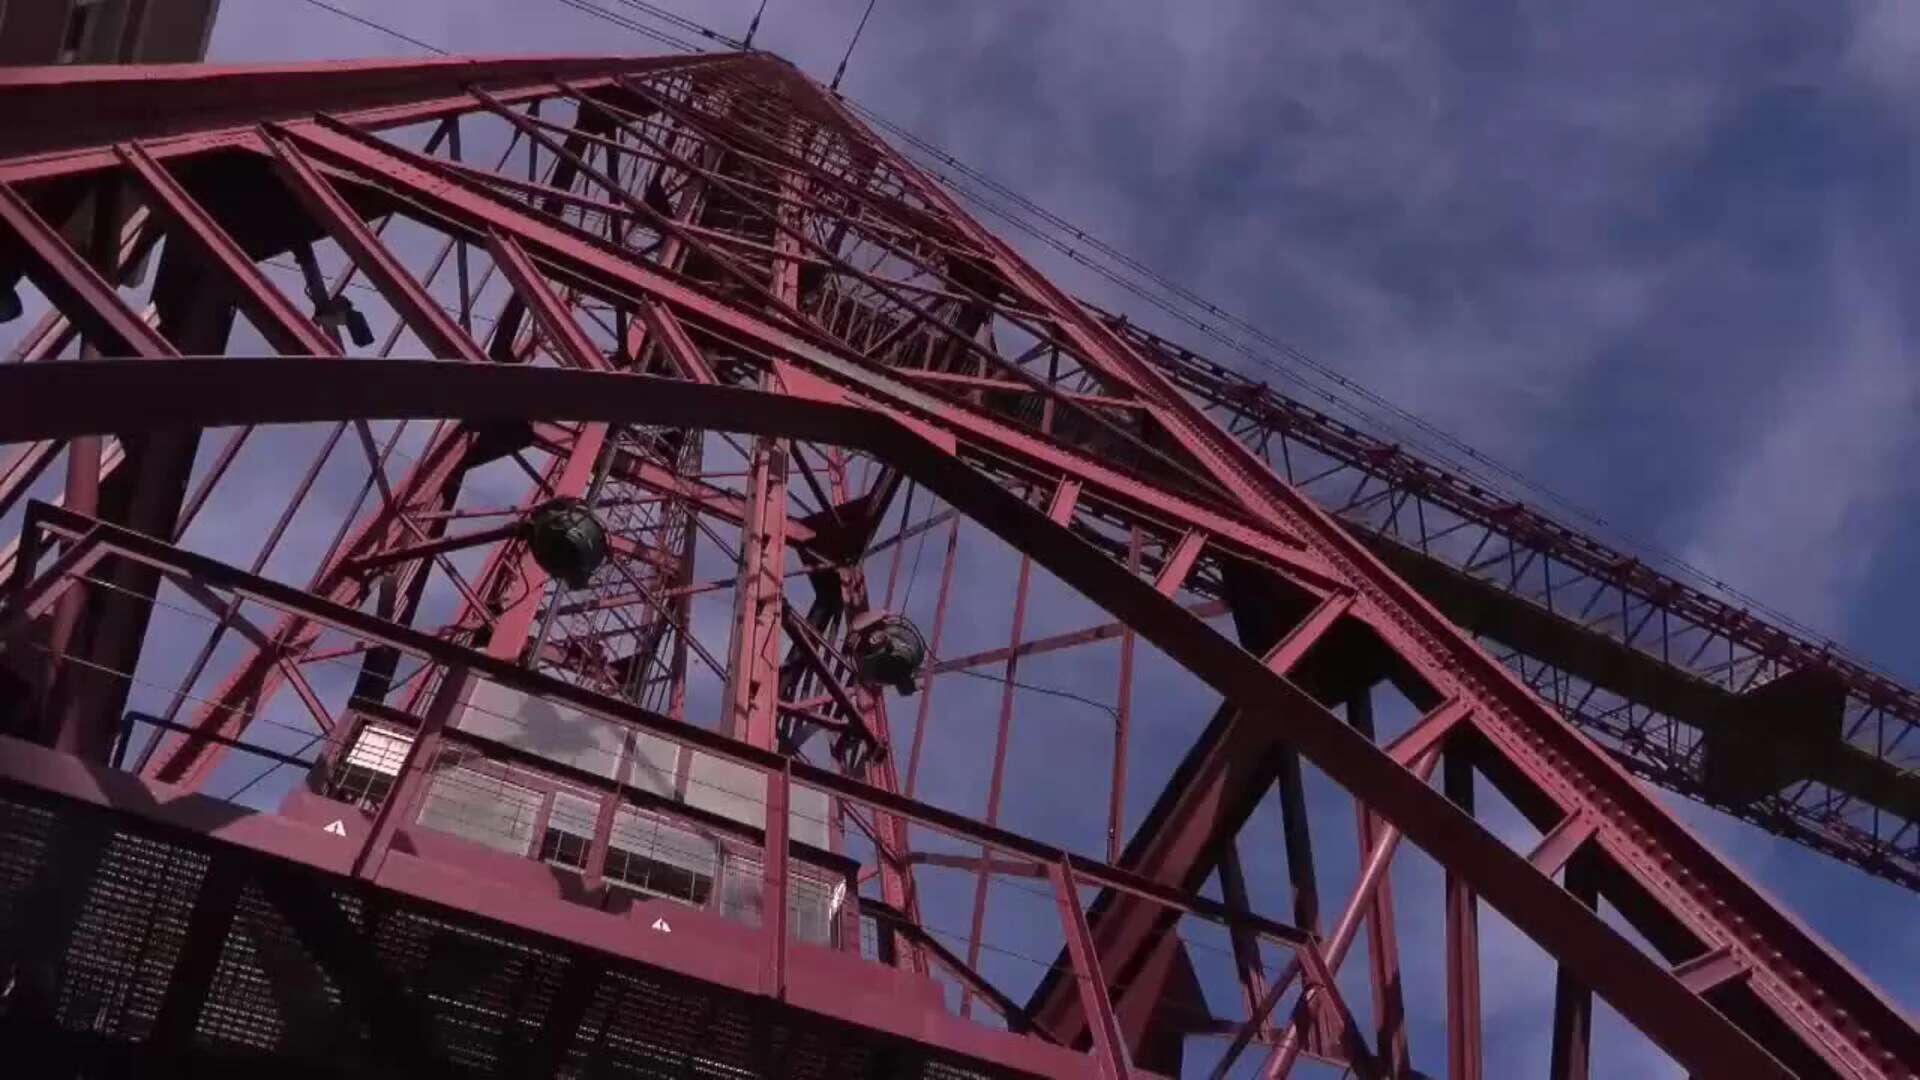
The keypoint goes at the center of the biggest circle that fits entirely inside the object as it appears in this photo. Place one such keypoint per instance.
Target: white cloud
(1798, 518)
(1884, 49)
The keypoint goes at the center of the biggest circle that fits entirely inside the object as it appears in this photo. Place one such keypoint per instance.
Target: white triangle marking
(661, 925)
(338, 828)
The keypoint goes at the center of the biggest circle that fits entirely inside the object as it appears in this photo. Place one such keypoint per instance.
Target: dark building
(105, 31)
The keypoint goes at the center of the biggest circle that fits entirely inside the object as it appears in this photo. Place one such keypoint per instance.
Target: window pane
(813, 898)
(659, 858)
(380, 750)
(367, 773)
(482, 809)
(643, 834)
(740, 889)
(573, 814)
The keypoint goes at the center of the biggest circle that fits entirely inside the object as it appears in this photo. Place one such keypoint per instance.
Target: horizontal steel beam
(103, 538)
(299, 851)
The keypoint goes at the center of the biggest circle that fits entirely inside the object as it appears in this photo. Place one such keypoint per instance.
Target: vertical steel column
(683, 600)
(1383, 946)
(773, 871)
(108, 325)
(147, 492)
(890, 834)
(753, 663)
(753, 660)
(82, 496)
(939, 632)
(999, 767)
(402, 804)
(1108, 1045)
(1572, 999)
(1372, 877)
(1246, 946)
(1122, 715)
(1290, 787)
(1463, 943)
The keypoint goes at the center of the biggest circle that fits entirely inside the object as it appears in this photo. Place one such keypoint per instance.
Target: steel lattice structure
(699, 298)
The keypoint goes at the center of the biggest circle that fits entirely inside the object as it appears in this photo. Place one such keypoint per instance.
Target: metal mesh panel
(27, 830)
(266, 992)
(126, 936)
(487, 994)
(489, 1000)
(811, 1053)
(644, 1027)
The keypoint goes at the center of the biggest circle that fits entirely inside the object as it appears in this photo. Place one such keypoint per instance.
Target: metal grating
(128, 932)
(267, 993)
(28, 830)
(123, 930)
(641, 1026)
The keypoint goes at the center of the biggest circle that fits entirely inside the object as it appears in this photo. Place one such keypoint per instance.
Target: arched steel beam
(59, 400)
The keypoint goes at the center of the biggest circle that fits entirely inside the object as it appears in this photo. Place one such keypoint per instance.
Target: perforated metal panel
(162, 945)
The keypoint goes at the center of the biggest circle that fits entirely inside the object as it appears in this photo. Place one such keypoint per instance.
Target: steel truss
(616, 267)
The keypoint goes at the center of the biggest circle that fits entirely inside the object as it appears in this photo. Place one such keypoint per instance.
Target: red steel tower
(463, 515)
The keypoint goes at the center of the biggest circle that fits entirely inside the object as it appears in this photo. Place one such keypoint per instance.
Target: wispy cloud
(1803, 509)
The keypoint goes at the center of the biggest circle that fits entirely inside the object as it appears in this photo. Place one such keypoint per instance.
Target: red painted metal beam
(63, 109)
(754, 653)
(1522, 727)
(1109, 1047)
(66, 279)
(107, 538)
(272, 313)
(272, 844)
(1383, 945)
(1643, 991)
(555, 320)
(434, 327)
(586, 256)
(1464, 1056)
(1637, 839)
(1205, 609)
(1646, 674)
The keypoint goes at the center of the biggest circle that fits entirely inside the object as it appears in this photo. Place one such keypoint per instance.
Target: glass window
(813, 898)
(658, 858)
(481, 808)
(569, 832)
(371, 766)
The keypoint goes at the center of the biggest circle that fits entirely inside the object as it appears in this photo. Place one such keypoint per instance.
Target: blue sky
(1660, 259)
